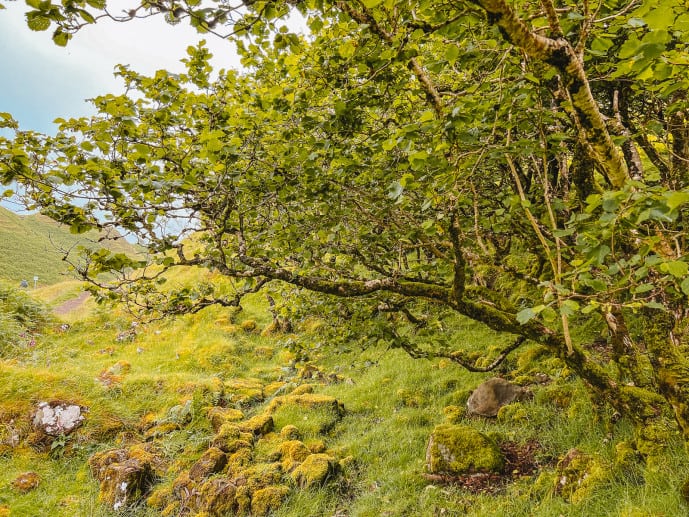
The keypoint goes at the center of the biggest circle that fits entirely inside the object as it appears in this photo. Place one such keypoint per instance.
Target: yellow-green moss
(258, 425)
(578, 475)
(248, 325)
(453, 414)
(316, 470)
(292, 453)
(515, 413)
(220, 416)
(290, 432)
(217, 496)
(460, 449)
(267, 500)
(302, 389)
(212, 461)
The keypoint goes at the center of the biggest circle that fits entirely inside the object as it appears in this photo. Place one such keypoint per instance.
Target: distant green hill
(30, 246)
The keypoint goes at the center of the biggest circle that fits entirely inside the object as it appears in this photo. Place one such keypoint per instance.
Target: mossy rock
(258, 425)
(124, 484)
(220, 416)
(303, 389)
(290, 432)
(259, 475)
(454, 414)
(26, 482)
(578, 475)
(513, 413)
(459, 449)
(316, 470)
(218, 497)
(293, 453)
(212, 461)
(316, 414)
(269, 499)
(245, 392)
(160, 498)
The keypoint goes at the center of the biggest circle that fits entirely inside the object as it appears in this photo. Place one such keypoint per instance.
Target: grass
(32, 244)
(392, 404)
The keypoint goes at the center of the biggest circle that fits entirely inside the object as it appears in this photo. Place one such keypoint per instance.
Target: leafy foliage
(524, 166)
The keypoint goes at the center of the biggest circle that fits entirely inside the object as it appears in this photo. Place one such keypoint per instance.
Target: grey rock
(489, 397)
(58, 419)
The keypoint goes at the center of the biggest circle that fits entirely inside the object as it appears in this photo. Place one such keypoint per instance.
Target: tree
(524, 166)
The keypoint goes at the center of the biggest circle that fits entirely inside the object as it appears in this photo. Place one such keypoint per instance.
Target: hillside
(30, 246)
(193, 407)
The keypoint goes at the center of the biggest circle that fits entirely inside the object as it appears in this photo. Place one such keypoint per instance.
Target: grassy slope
(30, 244)
(392, 405)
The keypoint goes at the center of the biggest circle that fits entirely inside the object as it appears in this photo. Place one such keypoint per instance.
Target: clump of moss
(316, 470)
(454, 414)
(269, 499)
(258, 425)
(578, 475)
(248, 325)
(515, 413)
(220, 416)
(316, 414)
(292, 453)
(460, 449)
(212, 461)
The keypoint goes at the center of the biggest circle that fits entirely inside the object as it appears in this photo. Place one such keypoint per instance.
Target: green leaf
(61, 38)
(676, 268)
(685, 286)
(371, 3)
(37, 22)
(526, 315)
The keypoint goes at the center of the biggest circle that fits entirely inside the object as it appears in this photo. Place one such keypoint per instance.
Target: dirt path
(72, 304)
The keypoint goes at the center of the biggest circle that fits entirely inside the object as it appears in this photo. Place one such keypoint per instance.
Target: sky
(41, 81)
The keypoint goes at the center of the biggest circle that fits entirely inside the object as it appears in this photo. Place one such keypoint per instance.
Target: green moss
(316, 470)
(220, 416)
(267, 500)
(514, 413)
(292, 453)
(258, 425)
(460, 449)
(579, 475)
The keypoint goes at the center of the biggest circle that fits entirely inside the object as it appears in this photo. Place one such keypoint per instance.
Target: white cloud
(43, 81)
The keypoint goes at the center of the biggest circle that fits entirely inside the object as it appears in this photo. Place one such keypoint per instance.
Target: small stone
(26, 482)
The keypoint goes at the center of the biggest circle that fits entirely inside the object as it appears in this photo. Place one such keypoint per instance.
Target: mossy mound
(250, 468)
(125, 475)
(244, 392)
(578, 474)
(316, 414)
(315, 470)
(459, 449)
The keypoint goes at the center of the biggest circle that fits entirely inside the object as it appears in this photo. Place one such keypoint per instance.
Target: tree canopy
(525, 165)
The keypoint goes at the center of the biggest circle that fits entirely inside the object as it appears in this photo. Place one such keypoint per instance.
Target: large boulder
(456, 450)
(489, 397)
